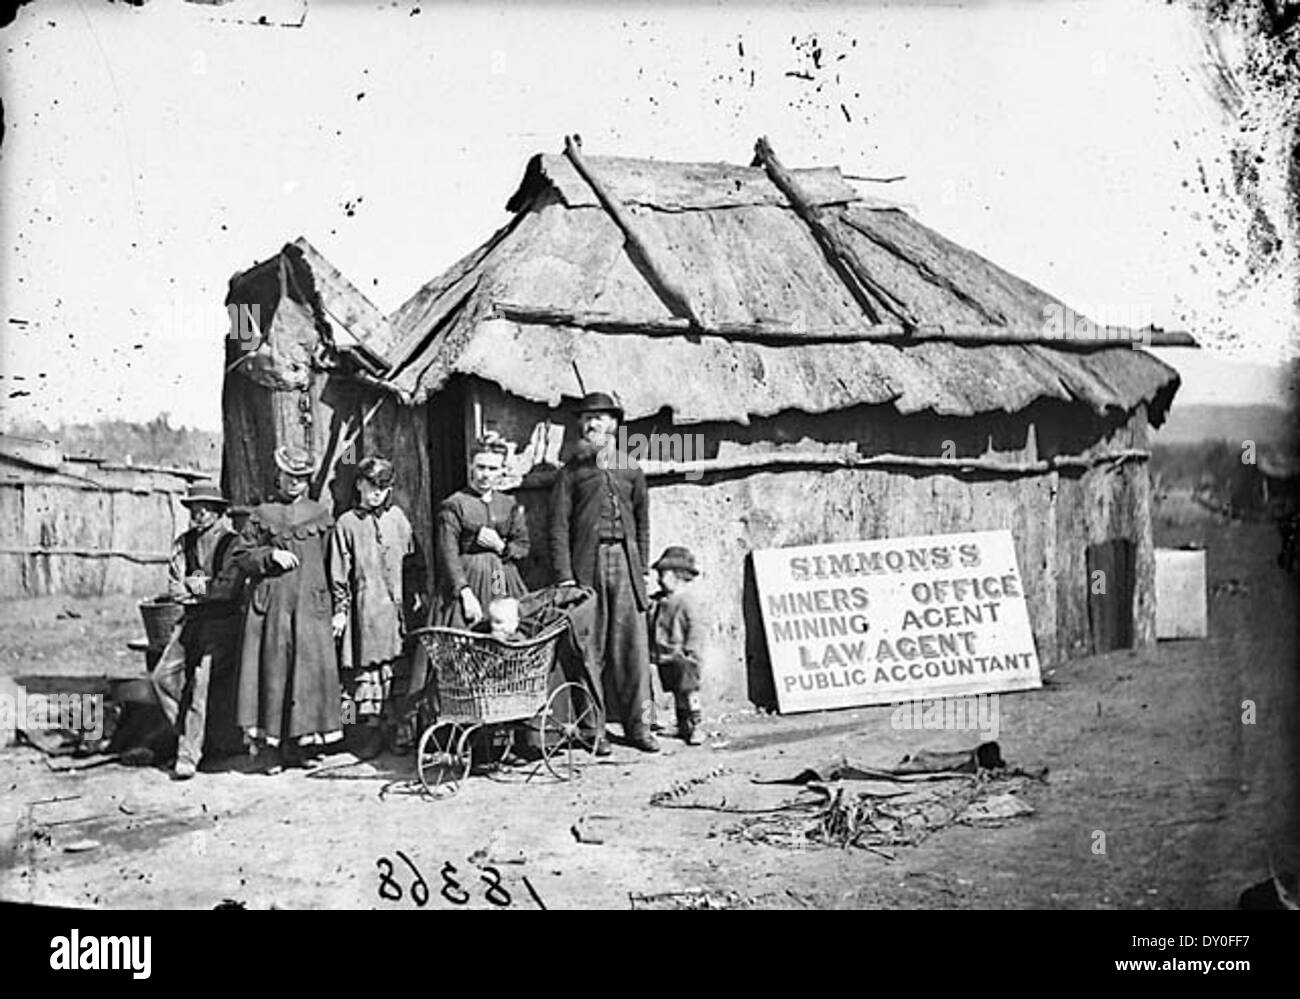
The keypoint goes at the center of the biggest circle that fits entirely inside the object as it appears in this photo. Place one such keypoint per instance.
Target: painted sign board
(897, 619)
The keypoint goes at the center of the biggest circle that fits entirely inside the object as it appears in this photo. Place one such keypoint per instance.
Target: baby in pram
(502, 621)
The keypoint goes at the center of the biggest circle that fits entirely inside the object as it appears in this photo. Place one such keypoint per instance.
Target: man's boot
(640, 737)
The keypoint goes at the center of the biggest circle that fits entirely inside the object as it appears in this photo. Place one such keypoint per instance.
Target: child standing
(678, 637)
(374, 564)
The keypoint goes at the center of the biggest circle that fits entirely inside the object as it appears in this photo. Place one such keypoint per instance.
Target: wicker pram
(478, 680)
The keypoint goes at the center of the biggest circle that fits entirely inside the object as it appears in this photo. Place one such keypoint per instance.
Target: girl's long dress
(374, 569)
(462, 561)
(288, 682)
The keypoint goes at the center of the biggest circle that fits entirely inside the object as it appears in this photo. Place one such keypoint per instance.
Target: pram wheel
(443, 757)
(563, 732)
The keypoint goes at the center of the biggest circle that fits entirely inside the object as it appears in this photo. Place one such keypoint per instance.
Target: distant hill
(1193, 424)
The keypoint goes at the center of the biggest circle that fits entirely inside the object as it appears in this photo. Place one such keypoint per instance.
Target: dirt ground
(1149, 749)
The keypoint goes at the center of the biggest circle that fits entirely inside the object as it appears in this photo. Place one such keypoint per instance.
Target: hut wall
(1053, 516)
(1105, 503)
(401, 434)
(276, 394)
(13, 565)
(257, 420)
(260, 419)
(106, 539)
(248, 439)
(726, 515)
(726, 518)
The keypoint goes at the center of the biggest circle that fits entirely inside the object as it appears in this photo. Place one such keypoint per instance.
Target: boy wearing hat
(677, 638)
(208, 636)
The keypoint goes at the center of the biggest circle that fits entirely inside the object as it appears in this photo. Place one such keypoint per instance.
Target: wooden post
(842, 258)
(327, 468)
(668, 290)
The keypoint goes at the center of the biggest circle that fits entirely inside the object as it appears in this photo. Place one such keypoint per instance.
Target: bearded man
(600, 537)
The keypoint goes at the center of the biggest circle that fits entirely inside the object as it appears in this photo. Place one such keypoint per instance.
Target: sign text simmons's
(882, 621)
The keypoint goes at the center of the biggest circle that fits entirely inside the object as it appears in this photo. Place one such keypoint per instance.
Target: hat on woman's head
(204, 492)
(377, 470)
(677, 558)
(294, 460)
(599, 402)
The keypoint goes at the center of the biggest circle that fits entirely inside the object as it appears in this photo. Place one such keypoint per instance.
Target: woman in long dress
(482, 535)
(288, 700)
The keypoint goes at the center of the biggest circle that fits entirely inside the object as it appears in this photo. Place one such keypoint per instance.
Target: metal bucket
(133, 690)
(160, 619)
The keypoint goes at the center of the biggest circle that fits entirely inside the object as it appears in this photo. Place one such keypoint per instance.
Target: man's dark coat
(575, 517)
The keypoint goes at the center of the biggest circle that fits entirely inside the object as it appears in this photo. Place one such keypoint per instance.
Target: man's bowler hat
(599, 402)
(204, 492)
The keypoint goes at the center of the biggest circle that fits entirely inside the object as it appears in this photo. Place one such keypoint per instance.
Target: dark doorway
(446, 442)
(758, 664)
(1111, 581)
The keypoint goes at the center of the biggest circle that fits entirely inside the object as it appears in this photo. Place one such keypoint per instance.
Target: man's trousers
(619, 653)
(198, 666)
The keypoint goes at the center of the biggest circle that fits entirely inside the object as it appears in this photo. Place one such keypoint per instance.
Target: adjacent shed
(812, 365)
(84, 527)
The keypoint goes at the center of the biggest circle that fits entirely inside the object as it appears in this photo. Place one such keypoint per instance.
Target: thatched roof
(713, 379)
(330, 312)
(556, 296)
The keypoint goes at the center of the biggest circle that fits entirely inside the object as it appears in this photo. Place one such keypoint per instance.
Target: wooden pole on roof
(542, 478)
(665, 287)
(841, 256)
(788, 333)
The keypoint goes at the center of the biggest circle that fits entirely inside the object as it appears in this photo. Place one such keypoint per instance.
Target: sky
(152, 152)
(1211, 379)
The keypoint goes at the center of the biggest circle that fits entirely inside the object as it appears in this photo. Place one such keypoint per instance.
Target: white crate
(1180, 594)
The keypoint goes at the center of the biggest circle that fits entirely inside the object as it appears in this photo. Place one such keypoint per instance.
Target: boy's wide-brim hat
(294, 460)
(678, 559)
(599, 402)
(204, 492)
